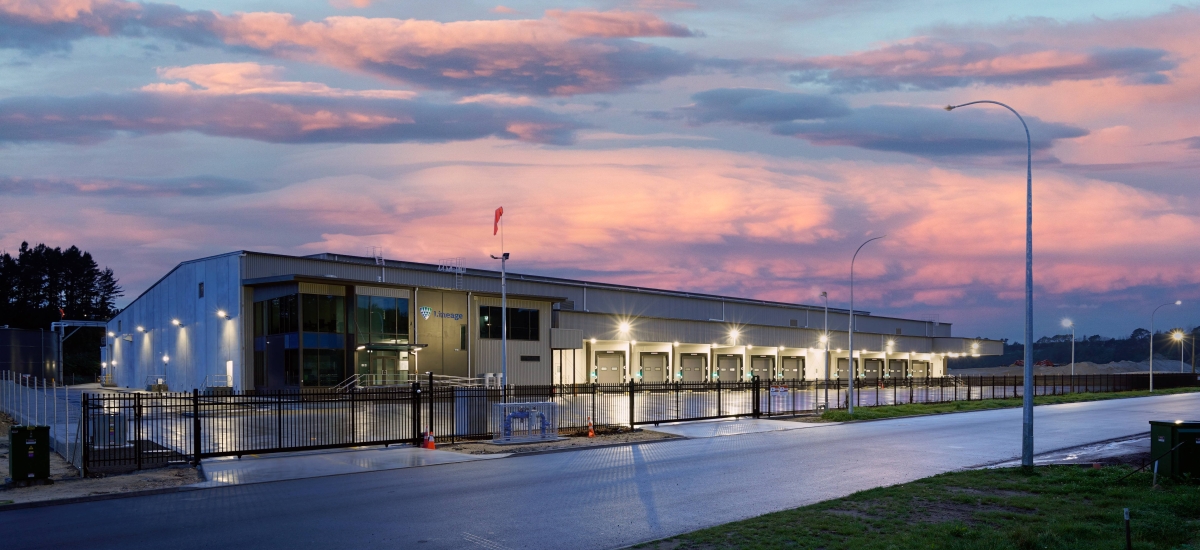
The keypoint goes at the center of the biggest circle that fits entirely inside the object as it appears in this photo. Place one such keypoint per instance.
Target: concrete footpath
(285, 466)
(588, 499)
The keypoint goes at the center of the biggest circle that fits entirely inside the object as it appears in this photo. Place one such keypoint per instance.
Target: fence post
(279, 419)
(416, 412)
(718, 396)
(353, 416)
(195, 427)
(595, 420)
(756, 412)
(137, 428)
(85, 424)
(631, 406)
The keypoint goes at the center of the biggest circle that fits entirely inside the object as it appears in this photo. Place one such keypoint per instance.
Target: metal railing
(139, 430)
(30, 400)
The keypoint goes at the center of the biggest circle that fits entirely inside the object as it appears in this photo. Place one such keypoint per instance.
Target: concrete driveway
(599, 498)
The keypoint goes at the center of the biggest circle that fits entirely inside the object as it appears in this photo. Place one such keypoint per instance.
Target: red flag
(62, 314)
(496, 224)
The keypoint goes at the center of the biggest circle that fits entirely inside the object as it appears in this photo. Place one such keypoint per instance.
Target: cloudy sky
(730, 146)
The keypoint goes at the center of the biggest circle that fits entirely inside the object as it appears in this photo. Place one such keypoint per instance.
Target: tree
(1140, 334)
(42, 285)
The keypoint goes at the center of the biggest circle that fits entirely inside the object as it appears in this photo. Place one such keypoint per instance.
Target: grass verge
(1054, 507)
(914, 409)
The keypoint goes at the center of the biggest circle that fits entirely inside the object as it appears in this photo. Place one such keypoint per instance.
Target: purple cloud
(755, 105)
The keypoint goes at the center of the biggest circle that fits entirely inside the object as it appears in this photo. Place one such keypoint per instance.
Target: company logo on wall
(427, 312)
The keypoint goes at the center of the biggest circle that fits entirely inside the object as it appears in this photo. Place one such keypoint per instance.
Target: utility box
(1184, 437)
(29, 454)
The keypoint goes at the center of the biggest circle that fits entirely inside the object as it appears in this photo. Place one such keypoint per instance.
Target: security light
(891, 342)
(824, 338)
(624, 326)
(734, 334)
(360, 348)
(633, 342)
(111, 334)
(166, 358)
(176, 322)
(975, 345)
(593, 340)
(222, 314)
(748, 346)
(141, 328)
(676, 344)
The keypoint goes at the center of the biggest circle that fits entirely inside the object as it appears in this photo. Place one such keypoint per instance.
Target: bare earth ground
(68, 484)
(604, 436)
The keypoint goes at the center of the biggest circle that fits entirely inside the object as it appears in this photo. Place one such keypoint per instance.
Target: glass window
(523, 323)
(380, 319)
(291, 367)
(310, 313)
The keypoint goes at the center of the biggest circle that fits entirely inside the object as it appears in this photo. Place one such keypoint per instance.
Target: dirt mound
(1084, 367)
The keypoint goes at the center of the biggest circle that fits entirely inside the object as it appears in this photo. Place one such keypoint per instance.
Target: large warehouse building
(263, 321)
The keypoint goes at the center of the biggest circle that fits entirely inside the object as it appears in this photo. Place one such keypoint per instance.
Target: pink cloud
(252, 78)
(503, 9)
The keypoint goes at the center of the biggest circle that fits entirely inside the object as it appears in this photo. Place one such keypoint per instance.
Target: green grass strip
(915, 409)
(1051, 507)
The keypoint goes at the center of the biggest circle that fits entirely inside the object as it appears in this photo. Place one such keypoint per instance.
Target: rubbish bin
(29, 454)
(1184, 437)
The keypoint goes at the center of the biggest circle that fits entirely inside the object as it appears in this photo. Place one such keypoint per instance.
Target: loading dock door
(897, 368)
(843, 370)
(610, 367)
(693, 367)
(872, 368)
(654, 368)
(792, 368)
(920, 369)
(762, 366)
(729, 368)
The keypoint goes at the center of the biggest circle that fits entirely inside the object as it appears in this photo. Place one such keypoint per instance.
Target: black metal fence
(132, 431)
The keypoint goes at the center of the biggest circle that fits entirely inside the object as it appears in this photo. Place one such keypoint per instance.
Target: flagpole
(503, 309)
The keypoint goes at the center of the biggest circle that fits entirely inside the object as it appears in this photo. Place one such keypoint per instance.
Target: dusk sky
(737, 147)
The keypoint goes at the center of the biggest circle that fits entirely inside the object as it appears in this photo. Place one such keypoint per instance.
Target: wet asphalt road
(601, 498)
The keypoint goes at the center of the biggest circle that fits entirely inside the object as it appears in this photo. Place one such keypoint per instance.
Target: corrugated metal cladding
(964, 345)
(606, 327)
(274, 291)
(325, 290)
(566, 338)
(380, 291)
(486, 355)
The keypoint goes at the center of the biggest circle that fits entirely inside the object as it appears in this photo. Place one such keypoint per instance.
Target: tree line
(40, 285)
(1093, 349)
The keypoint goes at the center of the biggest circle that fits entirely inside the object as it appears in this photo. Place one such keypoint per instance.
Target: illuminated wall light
(111, 334)
(141, 328)
(824, 338)
(633, 342)
(676, 344)
(593, 340)
(734, 334)
(624, 326)
(176, 322)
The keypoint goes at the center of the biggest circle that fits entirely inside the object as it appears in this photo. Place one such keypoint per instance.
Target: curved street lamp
(850, 334)
(1175, 303)
(1027, 402)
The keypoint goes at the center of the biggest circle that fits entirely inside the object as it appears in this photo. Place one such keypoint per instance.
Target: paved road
(600, 498)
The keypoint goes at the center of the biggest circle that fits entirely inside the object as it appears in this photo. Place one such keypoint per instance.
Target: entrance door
(792, 369)
(610, 367)
(762, 366)
(872, 369)
(920, 369)
(843, 369)
(654, 368)
(896, 368)
(729, 368)
(693, 367)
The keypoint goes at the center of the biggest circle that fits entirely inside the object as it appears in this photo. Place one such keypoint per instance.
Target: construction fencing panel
(129, 431)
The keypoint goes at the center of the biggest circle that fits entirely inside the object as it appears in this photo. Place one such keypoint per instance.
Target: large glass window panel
(339, 314)
(311, 312)
(402, 319)
(291, 367)
(311, 367)
(273, 316)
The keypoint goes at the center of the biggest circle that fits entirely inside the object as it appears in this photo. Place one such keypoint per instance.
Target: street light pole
(1175, 303)
(503, 319)
(825, 339)
(1071, 324)
(1178, 337)
(1027, 401)
(850, 334)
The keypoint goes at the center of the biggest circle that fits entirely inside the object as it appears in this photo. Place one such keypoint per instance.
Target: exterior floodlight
(222, 314)
(111, 334)
(975, 345)
(633, 342)
(141, 328)
(360, 348)
(166, 358)
(748, 346)
(623, 327)
(891, 342)
(176, 322)
(839, 350)
(593, 340)
(103, 364)
(824, 338)
(676, 344)
(734, 334)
